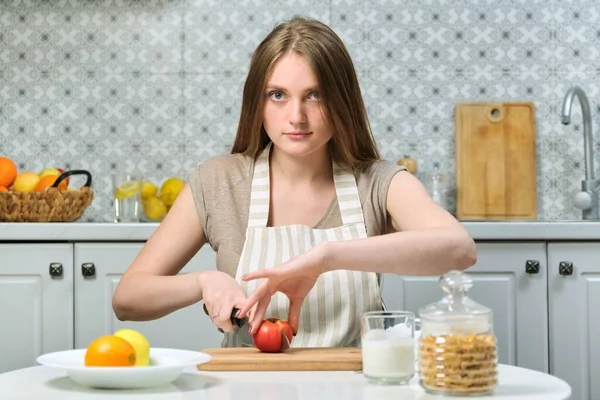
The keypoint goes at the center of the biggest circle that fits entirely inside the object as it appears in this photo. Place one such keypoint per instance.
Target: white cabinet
(545, 298)
(98, 267)
(574, 287)
(501, 281)
(36, 302)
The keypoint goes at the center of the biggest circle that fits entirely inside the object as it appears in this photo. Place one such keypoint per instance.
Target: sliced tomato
(272, 334)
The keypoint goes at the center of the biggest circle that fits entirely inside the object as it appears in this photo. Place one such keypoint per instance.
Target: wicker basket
(51, 205)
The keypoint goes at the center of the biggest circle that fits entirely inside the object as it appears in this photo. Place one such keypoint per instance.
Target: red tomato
(268, 337)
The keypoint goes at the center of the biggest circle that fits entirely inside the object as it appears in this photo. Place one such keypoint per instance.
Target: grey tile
(212, 104)
(114, 38)
(222, 36)
(155, 86)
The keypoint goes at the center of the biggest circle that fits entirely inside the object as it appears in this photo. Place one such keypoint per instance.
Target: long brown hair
(352, 145)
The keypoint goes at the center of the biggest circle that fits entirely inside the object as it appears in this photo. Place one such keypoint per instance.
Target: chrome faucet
(587, 198)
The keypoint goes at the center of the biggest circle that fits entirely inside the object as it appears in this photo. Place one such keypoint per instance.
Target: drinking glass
(388, 346)
(126, 195)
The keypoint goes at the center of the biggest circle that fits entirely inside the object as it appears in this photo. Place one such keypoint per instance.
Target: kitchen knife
(235, 321)
(285, 343)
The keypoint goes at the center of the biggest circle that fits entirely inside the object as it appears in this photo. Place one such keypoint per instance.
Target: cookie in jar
(458, 352)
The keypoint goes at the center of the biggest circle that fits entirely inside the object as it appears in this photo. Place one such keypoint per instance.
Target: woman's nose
(297, 115)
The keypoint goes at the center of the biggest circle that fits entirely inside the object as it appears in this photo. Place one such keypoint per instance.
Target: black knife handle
(239, 322)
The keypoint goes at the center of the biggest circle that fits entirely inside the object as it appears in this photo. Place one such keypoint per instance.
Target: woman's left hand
(294, 278)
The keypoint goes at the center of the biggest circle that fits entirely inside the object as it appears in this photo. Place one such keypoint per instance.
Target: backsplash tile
(155, 86)
(113, 37)
(212, 106)
(222, 35)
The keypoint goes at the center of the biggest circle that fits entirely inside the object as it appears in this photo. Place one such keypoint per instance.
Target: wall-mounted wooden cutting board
(496, 174)
(294, 359)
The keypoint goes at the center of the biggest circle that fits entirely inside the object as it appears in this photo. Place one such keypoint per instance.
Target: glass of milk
(388, 346)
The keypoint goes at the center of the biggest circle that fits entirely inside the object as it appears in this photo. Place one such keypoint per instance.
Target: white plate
(165, 366)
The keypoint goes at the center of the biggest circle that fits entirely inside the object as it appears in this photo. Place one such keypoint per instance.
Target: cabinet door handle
(565, 268)
(56, 270)
(88, 269)
(532, 266)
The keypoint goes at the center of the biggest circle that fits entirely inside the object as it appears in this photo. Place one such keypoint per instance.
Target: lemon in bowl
(154, 208)
(170, 189)
(139, 343)
(148, 190)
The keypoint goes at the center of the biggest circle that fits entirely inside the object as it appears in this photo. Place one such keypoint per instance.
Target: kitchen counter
(80, 232)
(52, 384)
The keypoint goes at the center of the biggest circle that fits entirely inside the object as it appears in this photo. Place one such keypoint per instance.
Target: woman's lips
(297, 135)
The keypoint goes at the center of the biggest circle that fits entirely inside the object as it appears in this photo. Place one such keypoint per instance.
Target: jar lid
(455, 305)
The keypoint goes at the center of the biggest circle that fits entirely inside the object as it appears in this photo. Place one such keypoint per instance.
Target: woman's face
(292, 115)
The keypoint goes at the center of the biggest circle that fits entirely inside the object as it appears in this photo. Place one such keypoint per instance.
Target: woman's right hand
(221, 294)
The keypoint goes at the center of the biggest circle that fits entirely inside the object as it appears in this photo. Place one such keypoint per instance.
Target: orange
(48, 180)
(8, 171)
(110, 351)
(3, 189)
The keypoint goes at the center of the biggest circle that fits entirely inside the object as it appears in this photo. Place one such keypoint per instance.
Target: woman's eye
(314, 96)
(277, 96)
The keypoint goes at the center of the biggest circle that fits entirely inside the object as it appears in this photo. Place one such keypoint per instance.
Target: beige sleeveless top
(221, 187)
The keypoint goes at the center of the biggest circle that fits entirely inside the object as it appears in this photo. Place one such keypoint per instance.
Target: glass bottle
(457, 348)
(436, 190)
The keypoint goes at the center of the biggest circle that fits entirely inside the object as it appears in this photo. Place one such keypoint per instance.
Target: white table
(52, 384)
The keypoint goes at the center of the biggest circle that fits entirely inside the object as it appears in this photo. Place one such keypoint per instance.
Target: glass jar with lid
(457, 348)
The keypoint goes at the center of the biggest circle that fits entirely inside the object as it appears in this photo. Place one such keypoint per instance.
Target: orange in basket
(8, 171)
(47, 181)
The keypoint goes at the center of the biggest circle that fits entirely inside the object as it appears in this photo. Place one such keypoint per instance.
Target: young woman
(304, 201)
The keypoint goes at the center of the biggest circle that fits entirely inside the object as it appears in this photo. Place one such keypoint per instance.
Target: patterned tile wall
(155, 86)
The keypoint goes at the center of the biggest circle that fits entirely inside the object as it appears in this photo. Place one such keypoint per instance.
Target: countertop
(518, 230)
(52, 384)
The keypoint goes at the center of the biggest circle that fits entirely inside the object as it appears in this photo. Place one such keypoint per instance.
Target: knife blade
(285, 343)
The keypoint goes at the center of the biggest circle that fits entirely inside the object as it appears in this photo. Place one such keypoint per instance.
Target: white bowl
(165, 366)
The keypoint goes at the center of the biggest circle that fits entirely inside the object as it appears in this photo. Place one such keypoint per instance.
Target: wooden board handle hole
(495, 113)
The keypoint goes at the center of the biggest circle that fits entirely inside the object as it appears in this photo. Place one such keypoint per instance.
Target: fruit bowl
(165, 366)
(156, 202)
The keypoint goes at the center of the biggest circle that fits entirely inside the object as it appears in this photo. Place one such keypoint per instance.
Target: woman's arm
(151, 286)
(428, 240)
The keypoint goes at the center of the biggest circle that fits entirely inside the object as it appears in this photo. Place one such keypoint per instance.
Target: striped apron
(330, 314)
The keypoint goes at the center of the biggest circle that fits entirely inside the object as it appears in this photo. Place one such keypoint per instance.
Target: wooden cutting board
(496, 174)
(294, 359)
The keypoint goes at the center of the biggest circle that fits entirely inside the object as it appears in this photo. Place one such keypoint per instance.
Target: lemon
(139, 343)
(154, 208)
(148, 190)
(170, 189)
(127, 190)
